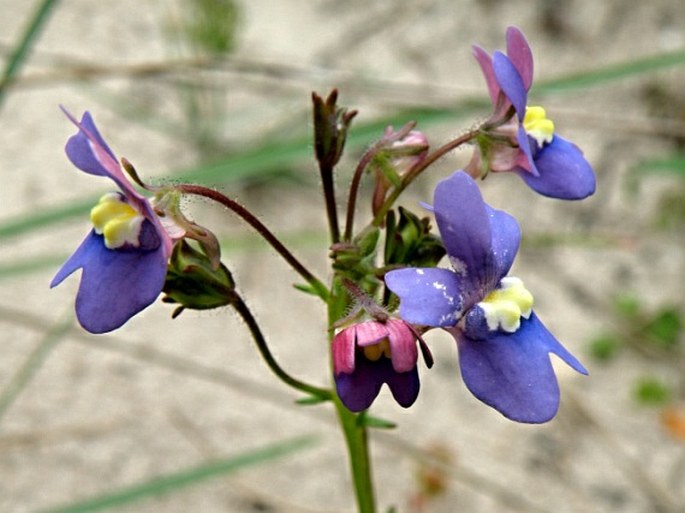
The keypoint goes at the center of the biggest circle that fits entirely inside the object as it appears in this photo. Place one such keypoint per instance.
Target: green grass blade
(18, 57)
(674, 164)
(172, 483)
(613, 72)
(26, 372)
(27, 223)
(270, 158)
(258, 162)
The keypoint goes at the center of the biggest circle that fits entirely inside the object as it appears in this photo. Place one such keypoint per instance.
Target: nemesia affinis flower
(370, 353)
(124, 257)
(548, 163)
(503, 347)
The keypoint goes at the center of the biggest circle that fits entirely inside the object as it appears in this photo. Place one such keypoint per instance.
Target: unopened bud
(194, 282)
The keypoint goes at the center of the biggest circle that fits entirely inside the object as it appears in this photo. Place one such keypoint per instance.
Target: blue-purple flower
(503, 347)
(370, 353)
(526, 142)
(124, 257)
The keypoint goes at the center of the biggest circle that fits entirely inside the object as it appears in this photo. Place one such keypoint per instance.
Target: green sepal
(384, 164)
(331, 124)
(193, 282)
(356, 259)
(366, 420)
(409, 241)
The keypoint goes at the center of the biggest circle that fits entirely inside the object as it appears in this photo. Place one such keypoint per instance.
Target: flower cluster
(503, 347)
(387, 289)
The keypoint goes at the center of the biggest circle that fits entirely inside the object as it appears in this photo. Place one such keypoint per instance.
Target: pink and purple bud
(370, 353)
(400, 151)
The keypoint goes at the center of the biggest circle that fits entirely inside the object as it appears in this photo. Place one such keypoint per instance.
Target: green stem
(356, 438)
(414, 172)
(354, 188)
(329, 197)
(244, 312)
(354, 431)
(250, 219)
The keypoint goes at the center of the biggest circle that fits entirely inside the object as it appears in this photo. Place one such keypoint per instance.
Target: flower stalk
(356, 439)
(255, 223)
(419, 168)
(246, 314)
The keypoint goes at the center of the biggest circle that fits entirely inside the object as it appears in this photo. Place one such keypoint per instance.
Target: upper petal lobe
(480, 241)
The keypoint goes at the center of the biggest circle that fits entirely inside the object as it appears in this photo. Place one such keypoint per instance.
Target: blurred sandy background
(97, 414)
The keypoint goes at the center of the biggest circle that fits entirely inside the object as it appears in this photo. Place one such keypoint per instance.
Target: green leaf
(673, 164)
(627, 306)
(312, 400)
(364, 419)
(613, 72)
(35, 360)
(605, 347)
(650, 391)
(665, 328)
(273, 156)
(172, 483)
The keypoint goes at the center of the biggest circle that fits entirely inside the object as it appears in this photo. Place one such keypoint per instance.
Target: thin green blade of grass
(610, 73)
(35, 360)
(25, 266)
(173, 483)
(673, 164)
(273, 156)
(237, 244)
(249, 164)
(26, 41)
(22, 225)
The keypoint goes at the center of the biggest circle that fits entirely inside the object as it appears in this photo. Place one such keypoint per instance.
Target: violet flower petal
(358, 390)
(512, 372)
(526, 149)
(469, 228)
(485, 62)
(564, 172)
(404, 386)
(506, 238)
(115, 284)
(89, 152)
(511, 83)
(430, 296)
(518, 50)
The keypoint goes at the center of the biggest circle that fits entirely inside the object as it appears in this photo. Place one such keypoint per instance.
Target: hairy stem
(419, 168)
(354, 189)
(331, 207)
(248, 217)
(356, 439)
(245, 313)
